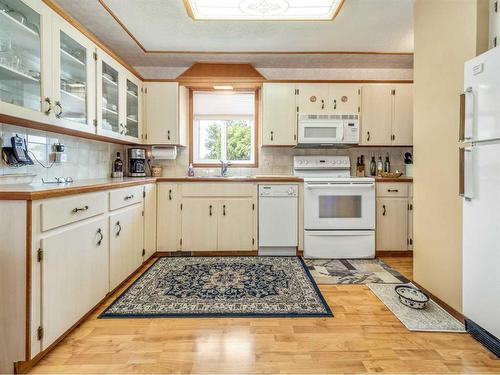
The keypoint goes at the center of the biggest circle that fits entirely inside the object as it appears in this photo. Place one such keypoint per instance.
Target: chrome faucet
(223, 167)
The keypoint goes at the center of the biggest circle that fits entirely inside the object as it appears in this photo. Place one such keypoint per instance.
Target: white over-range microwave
(328, 129)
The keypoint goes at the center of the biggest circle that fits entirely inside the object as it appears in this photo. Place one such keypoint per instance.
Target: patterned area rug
(222, 287)
(433, 318)
(353, 271)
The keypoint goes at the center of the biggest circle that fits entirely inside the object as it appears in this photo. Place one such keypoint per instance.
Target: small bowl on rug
(411, 297)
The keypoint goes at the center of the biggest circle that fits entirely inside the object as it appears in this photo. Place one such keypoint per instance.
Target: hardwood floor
(363, 336)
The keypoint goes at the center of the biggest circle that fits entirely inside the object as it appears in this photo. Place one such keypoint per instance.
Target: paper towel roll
(164, 153)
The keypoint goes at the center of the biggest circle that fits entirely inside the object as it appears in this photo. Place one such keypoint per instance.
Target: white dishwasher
(278, 220)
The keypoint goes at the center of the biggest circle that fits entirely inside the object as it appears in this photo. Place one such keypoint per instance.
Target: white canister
(409, 170)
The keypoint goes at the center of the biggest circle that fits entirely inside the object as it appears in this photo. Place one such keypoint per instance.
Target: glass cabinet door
(132, 123)
(72, 80)
(20, 55)
(110, 100)
(74, 77)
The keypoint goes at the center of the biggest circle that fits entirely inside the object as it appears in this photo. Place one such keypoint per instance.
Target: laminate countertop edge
(40, 191)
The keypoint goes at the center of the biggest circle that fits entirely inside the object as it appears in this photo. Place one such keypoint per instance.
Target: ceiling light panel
(267, 10)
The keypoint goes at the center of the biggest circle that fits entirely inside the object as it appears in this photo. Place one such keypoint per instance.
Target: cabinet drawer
(220, 189)
(61, 211)
(125, 197)
(392, 189)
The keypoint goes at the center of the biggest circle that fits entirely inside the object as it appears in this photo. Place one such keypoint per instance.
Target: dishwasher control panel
(278, 190)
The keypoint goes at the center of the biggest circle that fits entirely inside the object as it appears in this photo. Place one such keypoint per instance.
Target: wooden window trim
(255, 164)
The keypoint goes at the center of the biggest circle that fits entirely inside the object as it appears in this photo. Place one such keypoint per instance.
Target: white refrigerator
(480, 188)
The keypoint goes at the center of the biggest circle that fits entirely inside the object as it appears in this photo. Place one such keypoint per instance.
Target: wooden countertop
(41, 191)
(36, 191)
(256, 178)
(394, 179)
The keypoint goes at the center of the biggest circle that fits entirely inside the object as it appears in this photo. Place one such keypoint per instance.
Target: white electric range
(339, 210)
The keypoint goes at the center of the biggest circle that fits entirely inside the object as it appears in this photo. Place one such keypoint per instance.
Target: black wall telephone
(17, 155)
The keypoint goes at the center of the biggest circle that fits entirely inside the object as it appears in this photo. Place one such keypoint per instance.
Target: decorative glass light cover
(284, 10)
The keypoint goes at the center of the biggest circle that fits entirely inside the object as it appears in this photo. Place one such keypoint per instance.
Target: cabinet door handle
(224, 210)
(127, 197)
(168, 135)
(322, 104)
(210, 210)
(60, 112)
(78, 209)
(170, 195)
(335, 104)
(49, 109)
(392, 190)
(272, 135)
(99, 232)
(119, 228)
(122, 129)
(385, 211)
(368, 136)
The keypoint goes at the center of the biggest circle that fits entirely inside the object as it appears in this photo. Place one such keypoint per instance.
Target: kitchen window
(224, 128)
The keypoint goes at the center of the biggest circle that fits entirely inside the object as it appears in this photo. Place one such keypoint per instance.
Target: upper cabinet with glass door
(74, 83)
(133, 107)
(119, 100)
(24, 59)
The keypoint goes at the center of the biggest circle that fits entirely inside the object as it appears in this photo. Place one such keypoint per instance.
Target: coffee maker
(137, 162)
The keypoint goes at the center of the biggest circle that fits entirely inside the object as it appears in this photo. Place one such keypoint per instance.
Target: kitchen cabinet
(199, 224)
(394, 223)
(166, 113)
(218, 217)
(119, 100)
(279, 114)
(328, 98)
(236, 224)
(25, 74)
(149, 220)
(74, 276)
(74, 89)
(168, 218)
(387, 115)
(125, 244)
(313, 98)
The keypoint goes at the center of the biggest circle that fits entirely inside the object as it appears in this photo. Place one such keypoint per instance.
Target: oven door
(321, 132)
(339, 205)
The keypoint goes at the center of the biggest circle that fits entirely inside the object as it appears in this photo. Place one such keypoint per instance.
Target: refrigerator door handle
(466, 181)
(467, 110)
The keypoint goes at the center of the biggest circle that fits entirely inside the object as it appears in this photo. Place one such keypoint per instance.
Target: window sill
(217, 165)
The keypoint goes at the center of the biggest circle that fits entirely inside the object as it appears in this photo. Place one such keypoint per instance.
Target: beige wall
(446, 35)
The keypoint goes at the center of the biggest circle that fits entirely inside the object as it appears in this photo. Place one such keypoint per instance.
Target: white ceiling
(163, 25)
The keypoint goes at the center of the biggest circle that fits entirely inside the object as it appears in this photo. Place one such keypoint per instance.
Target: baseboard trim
(456, 314)
(22, 367)
(489, 341)
(388, 253)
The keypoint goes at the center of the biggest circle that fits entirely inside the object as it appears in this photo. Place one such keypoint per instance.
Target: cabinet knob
(385, 211)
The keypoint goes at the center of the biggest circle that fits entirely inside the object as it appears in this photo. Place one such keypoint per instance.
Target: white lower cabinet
(167, 226)
(74, 276)
(125, 243)
(199, 224)
(79, 258)
(236, 223)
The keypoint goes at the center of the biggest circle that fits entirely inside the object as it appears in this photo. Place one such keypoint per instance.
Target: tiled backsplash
(279, 160)
(85, 158)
